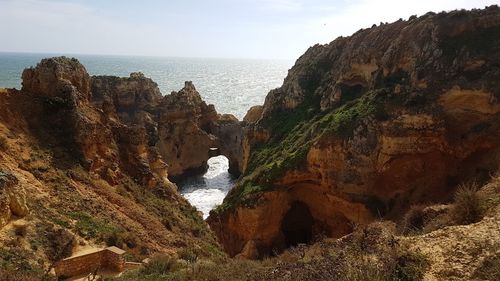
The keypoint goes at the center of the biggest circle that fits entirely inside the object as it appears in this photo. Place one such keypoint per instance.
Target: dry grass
(471, 203)
(14, 275)
(20, 230)
(414, 220)
(3, 143)
(369, 254)
(490, 269)
(160, 265)
(60, 244)
(468, 204)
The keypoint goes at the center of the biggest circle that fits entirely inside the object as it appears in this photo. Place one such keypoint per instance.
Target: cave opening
(297, 225)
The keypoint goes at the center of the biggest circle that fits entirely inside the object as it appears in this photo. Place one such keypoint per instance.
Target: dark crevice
(297, 225)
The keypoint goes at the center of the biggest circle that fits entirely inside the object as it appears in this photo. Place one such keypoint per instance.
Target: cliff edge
(366, 126)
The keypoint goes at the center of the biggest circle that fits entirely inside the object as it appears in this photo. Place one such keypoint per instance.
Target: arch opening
(209, 189)
(297, 225)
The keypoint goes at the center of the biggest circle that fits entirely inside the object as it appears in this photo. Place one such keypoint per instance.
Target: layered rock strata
(366, 126)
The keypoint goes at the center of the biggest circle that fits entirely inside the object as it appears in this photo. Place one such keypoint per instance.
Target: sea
(232, 85)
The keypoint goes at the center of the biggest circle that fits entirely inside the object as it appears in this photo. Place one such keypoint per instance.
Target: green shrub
(188, 254)
(90, 227)
(115, 238)
(120, 238)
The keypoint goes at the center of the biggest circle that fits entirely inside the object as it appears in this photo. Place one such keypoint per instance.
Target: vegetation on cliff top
(294, 132)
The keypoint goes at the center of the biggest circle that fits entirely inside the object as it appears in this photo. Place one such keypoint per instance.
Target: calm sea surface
(232, 85)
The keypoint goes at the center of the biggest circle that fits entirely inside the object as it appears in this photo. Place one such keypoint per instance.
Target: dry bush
(16, 275)
(490, 269)
(413, 221)
(160, 265)
(20, 230)
(121, 238)
(369, 254)
(61, 244)
(188, 254)
(468, 204)
(3, 143)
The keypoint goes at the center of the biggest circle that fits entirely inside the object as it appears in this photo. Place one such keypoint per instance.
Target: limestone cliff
(12, 198)
(365, 126)
(88, 160)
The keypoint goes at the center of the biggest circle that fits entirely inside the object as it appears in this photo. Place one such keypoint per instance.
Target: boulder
(12, 198)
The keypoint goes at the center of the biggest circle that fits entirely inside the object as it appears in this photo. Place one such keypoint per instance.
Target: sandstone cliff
(87, 160)
(12, 198)
(364, 127)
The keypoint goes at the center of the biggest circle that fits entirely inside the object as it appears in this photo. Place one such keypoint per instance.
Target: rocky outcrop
(132, 99)
(230, 139)
(189, 129)
(367, 125)
(184, 128)
(59, 77)
(12, 198)
(64, 87)
(253, 114)
(85, 151)
(130, 108)
(125, 125)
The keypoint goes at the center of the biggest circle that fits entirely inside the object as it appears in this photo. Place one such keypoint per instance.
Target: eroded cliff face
(91, 157)
(185, 138)
(366, 126)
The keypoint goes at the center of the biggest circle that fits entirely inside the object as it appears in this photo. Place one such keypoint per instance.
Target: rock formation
(95, 155)
(151, 131)
(365, 126)
(184, 130)
(58, 77)
(12, 198)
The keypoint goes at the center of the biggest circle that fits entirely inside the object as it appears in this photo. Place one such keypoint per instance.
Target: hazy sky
(197, 28)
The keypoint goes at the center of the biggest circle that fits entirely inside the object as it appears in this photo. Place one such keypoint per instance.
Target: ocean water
(232, 85)
(207, 191)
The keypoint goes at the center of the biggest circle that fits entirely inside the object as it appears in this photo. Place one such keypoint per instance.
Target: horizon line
(143, 56)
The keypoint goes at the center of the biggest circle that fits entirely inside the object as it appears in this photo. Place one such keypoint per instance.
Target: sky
(279, 29)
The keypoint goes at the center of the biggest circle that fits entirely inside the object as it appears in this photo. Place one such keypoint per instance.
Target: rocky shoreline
(363, 129)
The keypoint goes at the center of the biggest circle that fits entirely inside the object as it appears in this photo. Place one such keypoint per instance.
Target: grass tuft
(468, 207)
